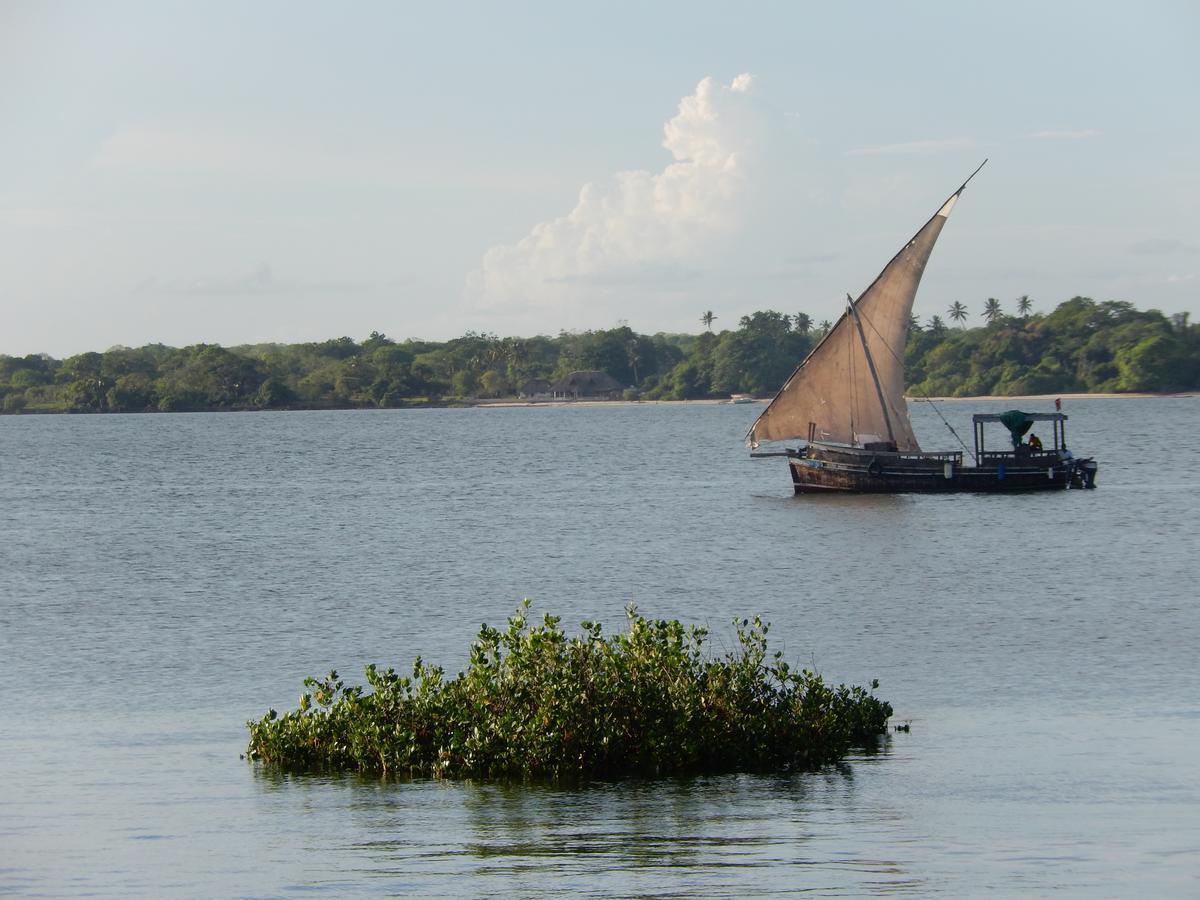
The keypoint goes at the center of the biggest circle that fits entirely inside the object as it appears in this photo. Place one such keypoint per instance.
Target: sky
(240, 173)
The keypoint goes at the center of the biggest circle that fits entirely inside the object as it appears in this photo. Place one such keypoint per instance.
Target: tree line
(1081, 346)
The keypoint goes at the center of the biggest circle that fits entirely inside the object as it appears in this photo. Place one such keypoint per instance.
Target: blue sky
(237, 173)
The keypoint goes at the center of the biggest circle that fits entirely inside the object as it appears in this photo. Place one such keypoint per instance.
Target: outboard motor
(1083, 473)
(1088, 469)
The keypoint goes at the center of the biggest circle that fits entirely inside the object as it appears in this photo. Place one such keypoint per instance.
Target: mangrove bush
(535, 703)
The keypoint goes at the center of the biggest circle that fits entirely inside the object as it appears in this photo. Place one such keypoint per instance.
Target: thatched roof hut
(535, 387)
(587, 385)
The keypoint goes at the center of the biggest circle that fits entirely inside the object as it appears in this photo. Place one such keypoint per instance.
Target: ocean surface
(164, 578)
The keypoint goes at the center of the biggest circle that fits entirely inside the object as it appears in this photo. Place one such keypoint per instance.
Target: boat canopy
(1032, 417)
(1018, 422)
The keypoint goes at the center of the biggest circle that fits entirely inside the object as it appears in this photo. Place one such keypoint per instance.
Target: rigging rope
(900, 362)
(951, 427)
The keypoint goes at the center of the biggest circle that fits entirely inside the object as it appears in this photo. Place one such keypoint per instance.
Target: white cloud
(915, 148)
(638, 228)
(1065, 135)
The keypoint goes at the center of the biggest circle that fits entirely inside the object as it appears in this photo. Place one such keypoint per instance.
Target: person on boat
(1035, 443)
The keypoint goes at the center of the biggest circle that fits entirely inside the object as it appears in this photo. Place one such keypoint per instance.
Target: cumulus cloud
(638, 227)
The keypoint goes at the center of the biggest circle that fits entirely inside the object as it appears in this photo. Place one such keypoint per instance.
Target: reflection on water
(731, 835)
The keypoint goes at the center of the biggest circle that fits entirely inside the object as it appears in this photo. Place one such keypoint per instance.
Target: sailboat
(845, 402)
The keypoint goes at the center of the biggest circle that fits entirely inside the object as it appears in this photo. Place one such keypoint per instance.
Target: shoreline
(1101, 396)
(510, 404)
(516, 404)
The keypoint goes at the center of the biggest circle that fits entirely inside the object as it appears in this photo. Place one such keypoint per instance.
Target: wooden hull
(821, 469)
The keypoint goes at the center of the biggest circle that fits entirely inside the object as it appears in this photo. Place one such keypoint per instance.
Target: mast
(871, 365)
(821, 396)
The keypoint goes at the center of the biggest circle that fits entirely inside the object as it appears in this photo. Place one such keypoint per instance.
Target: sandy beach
(1031, 398)
(510, 403)
(1052, 397)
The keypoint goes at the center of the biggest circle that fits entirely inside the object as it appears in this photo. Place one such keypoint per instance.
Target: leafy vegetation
(535, 703)
(1082, 346)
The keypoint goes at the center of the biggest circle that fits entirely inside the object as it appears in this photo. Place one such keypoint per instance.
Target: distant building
(535, 389)
(587, 385)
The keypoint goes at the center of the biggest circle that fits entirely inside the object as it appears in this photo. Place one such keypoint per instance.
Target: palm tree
(516, 356)
(631, 350)
(803, 322)
(992, 310)
(707, 319)
(936, 325)
(914, 324)
(825, 326)
(1024, 305)
(958, 312)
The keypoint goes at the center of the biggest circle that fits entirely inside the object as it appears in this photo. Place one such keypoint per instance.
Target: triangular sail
(834, 395)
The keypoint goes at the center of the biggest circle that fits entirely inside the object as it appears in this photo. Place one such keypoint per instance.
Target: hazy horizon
(181, 174)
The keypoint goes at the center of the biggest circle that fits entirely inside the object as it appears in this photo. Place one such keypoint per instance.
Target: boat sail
(846, 401)
(852, 384)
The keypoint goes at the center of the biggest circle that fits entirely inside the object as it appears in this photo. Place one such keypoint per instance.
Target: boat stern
(1082, 473)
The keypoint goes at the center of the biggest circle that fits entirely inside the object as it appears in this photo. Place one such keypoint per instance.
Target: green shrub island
(535, 703)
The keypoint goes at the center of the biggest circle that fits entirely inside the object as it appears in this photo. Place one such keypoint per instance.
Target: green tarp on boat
(1017, 423)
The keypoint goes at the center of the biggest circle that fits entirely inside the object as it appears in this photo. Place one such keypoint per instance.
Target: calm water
(165, 578)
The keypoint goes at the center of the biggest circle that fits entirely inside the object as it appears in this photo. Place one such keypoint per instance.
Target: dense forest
(1082, 346)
